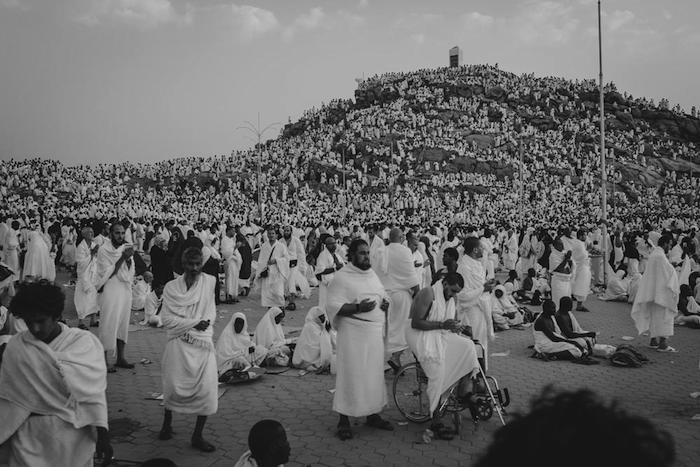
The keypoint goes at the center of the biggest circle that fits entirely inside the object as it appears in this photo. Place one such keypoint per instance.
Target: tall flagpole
(603, 171)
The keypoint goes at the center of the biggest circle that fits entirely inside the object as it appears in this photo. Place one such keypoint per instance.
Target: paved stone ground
(660, 391)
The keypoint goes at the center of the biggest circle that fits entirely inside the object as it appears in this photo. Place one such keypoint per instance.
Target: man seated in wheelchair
(446, 355)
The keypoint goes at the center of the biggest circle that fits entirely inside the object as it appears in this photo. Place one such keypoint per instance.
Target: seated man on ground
(445, 354)
(314, 349)
(504, 310)
(618, 285)
(235, 350)
(568, 324)
(53, 381)
(270, 334)
(268, 446)
(688, 309)
(549, 340)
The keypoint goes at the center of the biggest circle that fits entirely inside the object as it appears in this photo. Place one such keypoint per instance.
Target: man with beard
(232, 264)
(85, 297)
(327, 264)
(189, 361)
(655, 306)
(560, 266)
(474, 300)
(401, 283)
(356, 306)
(273, 270)
(296, 282)
(115, 275)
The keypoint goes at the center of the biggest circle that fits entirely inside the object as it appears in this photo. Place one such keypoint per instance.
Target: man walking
(189, 360)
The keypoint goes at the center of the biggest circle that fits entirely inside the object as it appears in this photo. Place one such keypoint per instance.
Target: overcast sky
(112, 80)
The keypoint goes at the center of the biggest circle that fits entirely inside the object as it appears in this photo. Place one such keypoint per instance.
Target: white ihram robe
(359, 384)
(51, 398)
(233, 260)
(314, 348)
(232, 348)
(444, 355)
(581, 285)
(189, 362)
(296, 281)
(398, 279)
(561, 282)
(323, 262)
(116, 296)
(38, 262)
(85, 297)
(656, 304)
(473, 304)
(377, 250)
(272, 286)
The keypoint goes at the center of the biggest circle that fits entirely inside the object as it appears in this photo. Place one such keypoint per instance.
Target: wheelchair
(411, 396)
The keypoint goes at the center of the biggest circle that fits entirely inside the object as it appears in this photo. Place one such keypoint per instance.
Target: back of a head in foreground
(267, 441)
(578, 429)
(159, 462)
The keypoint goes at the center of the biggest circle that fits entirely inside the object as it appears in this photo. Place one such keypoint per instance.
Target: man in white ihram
(189, 360)
(446, 356)
(85, 297)
(115, 276)
(656, 304)
(356, 307)
(474, 301)
(401, 283)
(233, 261)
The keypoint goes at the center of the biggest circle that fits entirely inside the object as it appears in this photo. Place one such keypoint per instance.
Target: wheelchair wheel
(411, 393)
(484, 409)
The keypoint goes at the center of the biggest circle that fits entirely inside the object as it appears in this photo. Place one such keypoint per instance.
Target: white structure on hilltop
(455, 57)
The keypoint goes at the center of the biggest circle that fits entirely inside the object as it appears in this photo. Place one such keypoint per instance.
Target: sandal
(199, 443)
(375, 421)
(667, 349)
(443, 432)
(344, 432)
(125, 365)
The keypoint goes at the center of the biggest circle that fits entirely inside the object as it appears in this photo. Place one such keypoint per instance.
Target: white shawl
(232, 344)
(431, 346)
(314, 344)
(268, 333)
(66, 378)
(658, 285)
(183, 309)
(399, 271)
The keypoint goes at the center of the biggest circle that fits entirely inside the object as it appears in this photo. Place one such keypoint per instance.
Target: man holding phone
(115, 275)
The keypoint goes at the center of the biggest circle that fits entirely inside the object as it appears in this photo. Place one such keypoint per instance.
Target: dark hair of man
(41, 297)
(15, 225)
(191, 253)
(452, 253)
(578, 418)
(262, 435)
(548, 307)
(193, 242)
(453, 278)
(470, 244)
(354, 246)
(665, 239)
(114, 225)
(565, 304)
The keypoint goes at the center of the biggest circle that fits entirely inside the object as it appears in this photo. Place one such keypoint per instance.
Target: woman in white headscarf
(269, 334)
(235, 349)
(504, 309)
(314, 350)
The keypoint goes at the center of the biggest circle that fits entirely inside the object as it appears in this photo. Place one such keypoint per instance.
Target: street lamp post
(603, 172)
(255, 130)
